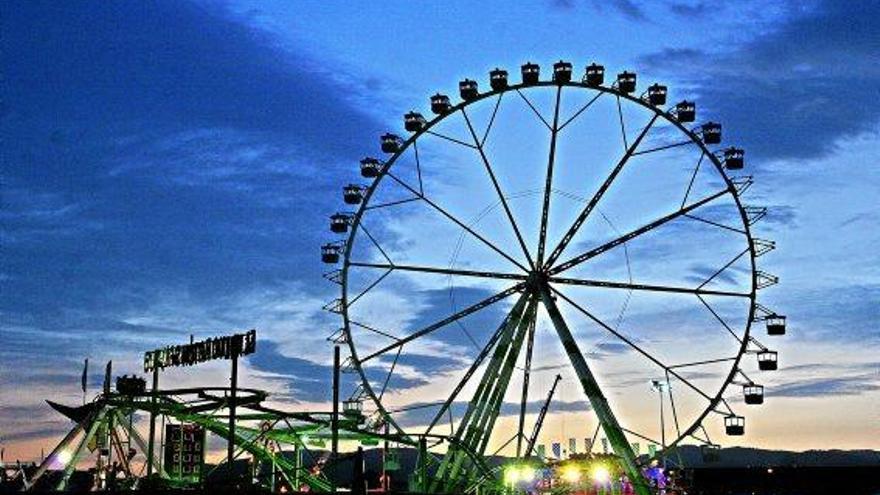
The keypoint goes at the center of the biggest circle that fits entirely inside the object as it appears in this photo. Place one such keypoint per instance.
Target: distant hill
(751, 457)
(733, 457)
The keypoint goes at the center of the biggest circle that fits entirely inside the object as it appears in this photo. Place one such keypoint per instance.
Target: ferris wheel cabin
(330, 253)
(735, 425)
(657, 94)
(686, 111)
(352, 194)
(353, 408)
(339, 222)
(370, 167)
(391, 143)
(753, 394)
(768, 360)
(626, 82)
(733, 158)
(440, 104)
(775, 324)
(413, 122)
(468, 89)
(595, 75)
(562, 72)
(530, 73)
(711, 133)
(498, 79)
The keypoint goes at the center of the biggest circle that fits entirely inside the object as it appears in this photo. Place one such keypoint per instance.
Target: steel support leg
(597, 400)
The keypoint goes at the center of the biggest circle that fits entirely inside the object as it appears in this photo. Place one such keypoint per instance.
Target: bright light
(526, 473)
(60, 459)
(600, 474)
(511, 475)
(571, 473)
(64, 457)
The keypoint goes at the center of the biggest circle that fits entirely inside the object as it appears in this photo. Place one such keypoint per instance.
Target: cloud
(301, 380)
(792, 92)
(626, 8)
(691, 10)
(824, 387)
(163, 166)
(151, 146)
(834, 313)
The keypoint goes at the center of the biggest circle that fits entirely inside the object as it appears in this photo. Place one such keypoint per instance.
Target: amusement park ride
(535, 281)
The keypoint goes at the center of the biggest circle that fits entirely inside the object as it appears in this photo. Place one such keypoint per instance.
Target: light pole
(660, 387)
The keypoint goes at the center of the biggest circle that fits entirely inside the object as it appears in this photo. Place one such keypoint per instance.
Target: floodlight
(511, 475)
(600, 474)
(571, 473)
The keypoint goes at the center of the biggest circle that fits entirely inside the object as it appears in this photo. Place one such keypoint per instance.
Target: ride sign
(226, 347)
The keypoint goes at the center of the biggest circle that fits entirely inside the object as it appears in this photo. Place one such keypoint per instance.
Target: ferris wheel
(553, 226)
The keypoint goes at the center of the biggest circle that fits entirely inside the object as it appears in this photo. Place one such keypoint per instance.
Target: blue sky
(168, 168)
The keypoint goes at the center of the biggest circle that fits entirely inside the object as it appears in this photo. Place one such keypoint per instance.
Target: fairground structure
(533, 272)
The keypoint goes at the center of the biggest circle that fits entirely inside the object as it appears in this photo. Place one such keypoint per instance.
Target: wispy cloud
(824, 387)
(793, 91)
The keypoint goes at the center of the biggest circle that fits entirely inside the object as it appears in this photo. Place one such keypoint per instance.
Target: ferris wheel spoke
(703, 363)
(725, 267)
(529, 103)
(451, 139)
(458, 222)
(491, 120)
(720, 319)
(548, 183)
(641, 436)
(716, 224)
(418, 167)
(635, 233)
(629, 342)
(585, 213)
(374, 241)
(390, 373)
(622, 125)
(370, 287)
(687, 192)
(580, 111)
(374, 330)
(443, 271)
(672, 403)
(391, 203)
(645, 287)
(446, 321)
(664, 147)
(497, 186)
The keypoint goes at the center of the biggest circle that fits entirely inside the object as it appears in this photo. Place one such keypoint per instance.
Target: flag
(604, 445)
(572, 446)
(652, 449)
(107, 374)
(636, 448)
(85, 375)
(556, 447)
(542, 451)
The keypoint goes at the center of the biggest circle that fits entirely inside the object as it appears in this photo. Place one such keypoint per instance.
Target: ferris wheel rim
(730, 190)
